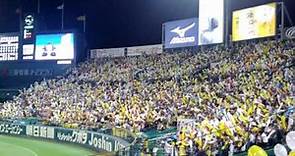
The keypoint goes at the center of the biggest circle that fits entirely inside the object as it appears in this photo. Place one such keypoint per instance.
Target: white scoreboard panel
(9, 47)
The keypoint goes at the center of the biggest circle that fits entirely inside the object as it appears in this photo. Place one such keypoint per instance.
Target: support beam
(282, 21)
(288, 15)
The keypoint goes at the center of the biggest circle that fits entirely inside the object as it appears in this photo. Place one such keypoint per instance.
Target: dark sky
(113, 23)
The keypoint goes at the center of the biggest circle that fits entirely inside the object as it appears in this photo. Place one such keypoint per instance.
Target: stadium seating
(237, 96)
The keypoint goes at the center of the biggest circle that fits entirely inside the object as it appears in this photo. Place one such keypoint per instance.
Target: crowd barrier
(115, 140)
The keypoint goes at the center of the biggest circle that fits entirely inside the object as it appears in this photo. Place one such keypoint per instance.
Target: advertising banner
(12, 129)
(88, 139)
(93, 140)
(103, 53)
(181, 33)
(147, 50)
(255, 22)
(211, 21)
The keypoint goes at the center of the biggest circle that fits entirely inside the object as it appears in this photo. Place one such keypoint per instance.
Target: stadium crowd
(237, 96)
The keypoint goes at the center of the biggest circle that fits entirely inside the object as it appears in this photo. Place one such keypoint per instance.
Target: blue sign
(182, 33)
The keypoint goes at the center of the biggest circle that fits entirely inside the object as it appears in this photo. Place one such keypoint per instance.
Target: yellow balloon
(292, 153)
(256, 151)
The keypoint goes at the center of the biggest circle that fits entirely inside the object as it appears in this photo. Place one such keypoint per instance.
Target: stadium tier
(222, 100)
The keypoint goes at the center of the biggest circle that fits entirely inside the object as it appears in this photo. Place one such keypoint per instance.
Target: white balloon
(280, 150)
(290, 139)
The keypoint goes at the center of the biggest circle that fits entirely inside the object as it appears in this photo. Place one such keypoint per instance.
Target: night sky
(113, 23)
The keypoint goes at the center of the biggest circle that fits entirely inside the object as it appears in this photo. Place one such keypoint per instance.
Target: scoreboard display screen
(9, 47)
(55, 46)
(255, 22)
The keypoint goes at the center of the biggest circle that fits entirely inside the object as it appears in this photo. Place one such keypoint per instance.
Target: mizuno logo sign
(181, 35)
(181, 32)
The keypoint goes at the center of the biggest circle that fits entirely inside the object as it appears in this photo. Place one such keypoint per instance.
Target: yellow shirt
(182, 149)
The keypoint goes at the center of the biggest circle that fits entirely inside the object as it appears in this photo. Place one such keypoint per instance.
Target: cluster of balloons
(279, 149)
